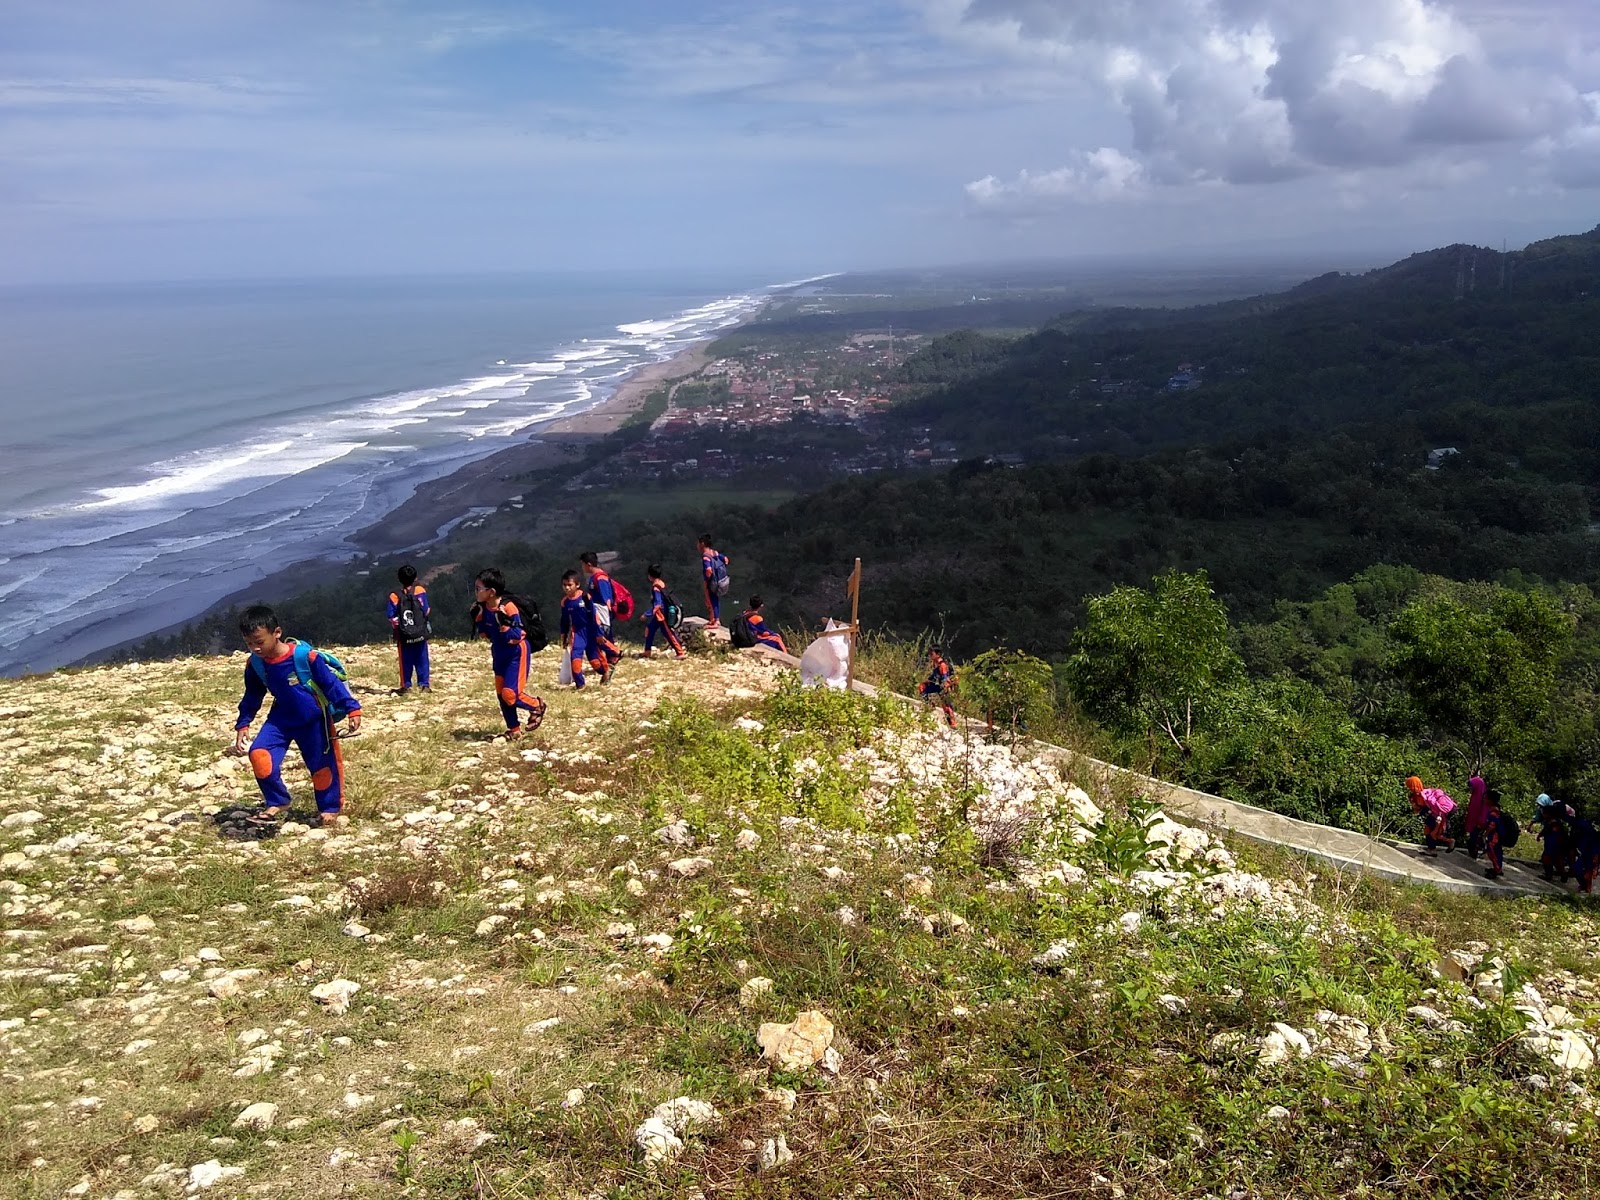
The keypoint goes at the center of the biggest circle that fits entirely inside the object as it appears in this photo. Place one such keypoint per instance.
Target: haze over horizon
(273, 138)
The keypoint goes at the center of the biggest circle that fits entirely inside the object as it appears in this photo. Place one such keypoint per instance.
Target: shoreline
(485, 482)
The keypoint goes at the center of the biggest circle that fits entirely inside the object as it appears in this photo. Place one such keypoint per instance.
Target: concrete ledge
(1344, 849)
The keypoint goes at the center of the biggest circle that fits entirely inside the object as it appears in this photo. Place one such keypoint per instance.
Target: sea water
(162, 446)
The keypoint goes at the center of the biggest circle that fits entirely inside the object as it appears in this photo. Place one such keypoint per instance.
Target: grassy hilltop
(544, 969)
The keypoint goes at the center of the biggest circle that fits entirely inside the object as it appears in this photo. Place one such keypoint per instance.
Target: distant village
(785, 416)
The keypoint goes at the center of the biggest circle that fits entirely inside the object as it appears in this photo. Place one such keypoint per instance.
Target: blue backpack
(300, 674)
(719, 573)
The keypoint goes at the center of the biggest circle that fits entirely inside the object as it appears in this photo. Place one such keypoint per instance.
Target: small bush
(424, 885)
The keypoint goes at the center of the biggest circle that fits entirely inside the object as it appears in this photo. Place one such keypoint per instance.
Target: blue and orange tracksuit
(508, 651)
(297, 716)
(940, 686)
(1490, 835)
(713, 598)
(1585, 852)
(1556, 835)
(602, 598)
(762, 632)
(413, 658)
(577, 626)
(658, 622)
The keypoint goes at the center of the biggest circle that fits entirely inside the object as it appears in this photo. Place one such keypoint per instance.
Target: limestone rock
(798, 1045)
(231, 983)
(260, 1116)
(747, 839)
(335, 995)
(754, 991)
(688, 868)
(775, 1153)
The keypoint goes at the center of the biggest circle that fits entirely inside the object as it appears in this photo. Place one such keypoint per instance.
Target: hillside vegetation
(551, 968)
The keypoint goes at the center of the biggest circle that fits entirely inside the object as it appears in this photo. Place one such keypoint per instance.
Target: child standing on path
(496, 616)
(577, 624)
(1555, 833)
(714, 568)
(1492, 834)
(660, 601)
(940, 684)
(408, 616)
(307, 698)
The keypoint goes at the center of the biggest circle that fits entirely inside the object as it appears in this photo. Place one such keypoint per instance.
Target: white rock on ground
(775, 1153)
(260, 1116)
(688, 868)
(754, 991)
(798, 1045)
(660, 1137)
(335, 995)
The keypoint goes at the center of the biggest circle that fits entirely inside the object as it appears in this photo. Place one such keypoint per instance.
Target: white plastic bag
(566, 670)
(826, 661)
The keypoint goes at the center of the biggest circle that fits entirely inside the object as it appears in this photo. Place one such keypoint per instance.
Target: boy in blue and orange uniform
(940, 684)
(763, 633)
(1491, 834)
(577, 625)
(1585, 850)
(303, 713)
(496, 616)
(714, 569)
(413, 655)
(1555, 833)
(657, 616)
(602, 597)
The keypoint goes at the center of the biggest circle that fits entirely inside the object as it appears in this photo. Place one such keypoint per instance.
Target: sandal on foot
(267, 816)
(536, 716)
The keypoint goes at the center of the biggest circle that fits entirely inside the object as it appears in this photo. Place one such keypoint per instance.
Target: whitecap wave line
(267, 460)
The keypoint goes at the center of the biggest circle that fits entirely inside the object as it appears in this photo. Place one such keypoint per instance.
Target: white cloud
(1099, 175)
(1260, 91)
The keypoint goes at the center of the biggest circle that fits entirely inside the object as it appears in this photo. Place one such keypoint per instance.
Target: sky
(179, 139)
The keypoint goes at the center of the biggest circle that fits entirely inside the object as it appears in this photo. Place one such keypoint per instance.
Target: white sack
(827, 660)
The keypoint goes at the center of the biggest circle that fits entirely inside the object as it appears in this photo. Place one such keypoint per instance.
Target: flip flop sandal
(265, 819)
(535, 717)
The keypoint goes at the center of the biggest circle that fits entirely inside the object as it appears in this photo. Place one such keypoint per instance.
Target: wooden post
(854, 588)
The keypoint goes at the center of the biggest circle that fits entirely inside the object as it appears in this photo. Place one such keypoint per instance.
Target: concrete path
(1344, 848)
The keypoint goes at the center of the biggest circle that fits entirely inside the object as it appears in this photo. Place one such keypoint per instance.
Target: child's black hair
(257, 616)
(1491, 797)
(653, 570)
(408, 575)
(705, 539)
(569, 577)
(589, 558)
(493, 579)
(755, 602)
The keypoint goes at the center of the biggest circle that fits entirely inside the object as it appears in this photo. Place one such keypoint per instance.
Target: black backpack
(1510, 831)
(740, 633)
(671, 611)
(413, 624)
(532, 624)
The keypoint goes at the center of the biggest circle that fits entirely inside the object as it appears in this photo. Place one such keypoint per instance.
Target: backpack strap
(260, 667)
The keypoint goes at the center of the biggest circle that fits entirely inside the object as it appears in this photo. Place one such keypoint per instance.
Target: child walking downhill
(663, 615)
(1555, 831)
(409, 617)
(604, 597)
(577, 629)
(1434, 807)
(940, 686)
(308, 697)
(714, 569)
(1497, 834)
(497, 616)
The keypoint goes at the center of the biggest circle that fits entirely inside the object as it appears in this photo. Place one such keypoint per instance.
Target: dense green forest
(1367, 616)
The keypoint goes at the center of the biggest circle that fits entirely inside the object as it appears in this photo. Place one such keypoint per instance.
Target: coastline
(482, 483)
(488, 482)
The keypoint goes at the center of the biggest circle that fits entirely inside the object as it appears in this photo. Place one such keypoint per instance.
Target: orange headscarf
(1413, 785)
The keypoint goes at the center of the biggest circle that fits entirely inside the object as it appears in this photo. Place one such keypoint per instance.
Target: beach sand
(489, 482)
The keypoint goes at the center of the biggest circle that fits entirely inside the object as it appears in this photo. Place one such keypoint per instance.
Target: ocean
(167, 445)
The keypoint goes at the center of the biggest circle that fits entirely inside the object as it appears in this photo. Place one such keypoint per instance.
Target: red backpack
(622, 605)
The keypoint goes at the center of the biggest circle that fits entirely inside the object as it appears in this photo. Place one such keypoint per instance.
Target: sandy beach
(490, 481)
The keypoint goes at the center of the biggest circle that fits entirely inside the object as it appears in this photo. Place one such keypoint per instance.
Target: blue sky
(149, 139)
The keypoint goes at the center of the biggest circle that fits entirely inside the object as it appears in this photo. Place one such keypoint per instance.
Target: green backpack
(300, 676)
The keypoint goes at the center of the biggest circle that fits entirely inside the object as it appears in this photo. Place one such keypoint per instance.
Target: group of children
(311, 695)
(1571, 843)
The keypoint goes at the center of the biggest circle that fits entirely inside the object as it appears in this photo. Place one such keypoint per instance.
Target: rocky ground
(704, 933)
